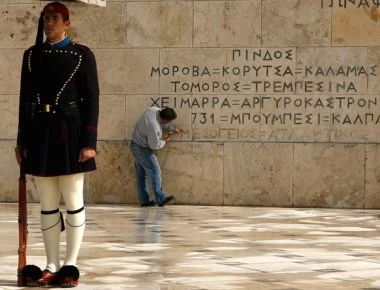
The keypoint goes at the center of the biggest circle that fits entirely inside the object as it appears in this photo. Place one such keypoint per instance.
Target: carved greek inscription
(266, 87)
(236, 118)
(265, 71)
(282, 102)
(266, 94)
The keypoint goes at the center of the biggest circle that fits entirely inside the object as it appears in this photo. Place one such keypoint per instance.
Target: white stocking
(75, 225)
(51, 229)
(72, 191)
(49, 193)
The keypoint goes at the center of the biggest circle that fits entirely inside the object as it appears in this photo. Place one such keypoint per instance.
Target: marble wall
(278, 99)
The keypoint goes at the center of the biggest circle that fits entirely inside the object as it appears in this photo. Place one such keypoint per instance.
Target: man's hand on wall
(175, 131)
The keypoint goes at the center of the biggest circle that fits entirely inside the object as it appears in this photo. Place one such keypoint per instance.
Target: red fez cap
(57, 7)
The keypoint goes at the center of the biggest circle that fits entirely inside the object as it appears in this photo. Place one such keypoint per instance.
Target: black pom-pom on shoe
(31, 274)
(68, 276)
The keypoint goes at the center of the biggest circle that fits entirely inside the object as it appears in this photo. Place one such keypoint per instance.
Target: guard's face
(55, 27)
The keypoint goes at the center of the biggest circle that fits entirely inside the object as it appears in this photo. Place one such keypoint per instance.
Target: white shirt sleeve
(155, 137)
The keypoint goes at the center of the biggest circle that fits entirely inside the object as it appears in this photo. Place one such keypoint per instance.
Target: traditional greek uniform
(58, 116)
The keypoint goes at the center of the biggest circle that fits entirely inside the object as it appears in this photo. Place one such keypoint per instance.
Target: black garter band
(75, 212)
(48, 212)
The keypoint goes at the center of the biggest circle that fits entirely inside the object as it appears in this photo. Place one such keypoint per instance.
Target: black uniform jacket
(58, 109)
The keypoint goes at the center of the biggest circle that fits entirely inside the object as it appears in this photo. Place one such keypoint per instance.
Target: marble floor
(205, 247)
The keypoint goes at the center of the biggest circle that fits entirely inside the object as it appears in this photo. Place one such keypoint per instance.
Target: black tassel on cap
(40, 30)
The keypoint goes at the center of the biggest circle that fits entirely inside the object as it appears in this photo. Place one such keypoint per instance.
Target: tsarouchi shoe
(68, 276)
(48, 279)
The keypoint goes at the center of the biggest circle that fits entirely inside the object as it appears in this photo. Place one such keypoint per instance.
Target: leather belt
(65, 108)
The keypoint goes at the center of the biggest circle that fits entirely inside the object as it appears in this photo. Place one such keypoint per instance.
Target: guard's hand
(86, 154)
(20, 154)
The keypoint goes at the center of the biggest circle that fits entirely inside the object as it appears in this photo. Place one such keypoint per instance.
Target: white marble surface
(204, 247)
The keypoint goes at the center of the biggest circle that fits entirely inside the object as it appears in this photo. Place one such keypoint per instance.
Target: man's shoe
(150, 203)
(48, 278)
(167, 200)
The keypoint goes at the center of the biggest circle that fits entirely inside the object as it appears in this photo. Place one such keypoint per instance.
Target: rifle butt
(22, 226)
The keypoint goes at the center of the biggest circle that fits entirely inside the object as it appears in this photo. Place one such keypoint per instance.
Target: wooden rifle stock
(22, 225)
